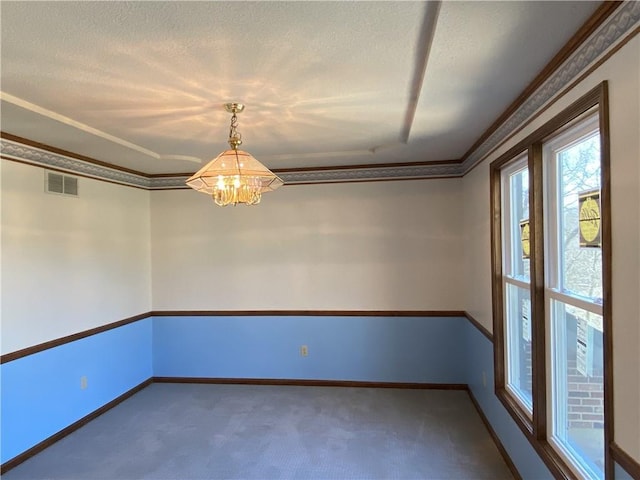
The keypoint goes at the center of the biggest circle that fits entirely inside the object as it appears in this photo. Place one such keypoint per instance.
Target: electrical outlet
(304, 350)
(83, 382)
(484, 379)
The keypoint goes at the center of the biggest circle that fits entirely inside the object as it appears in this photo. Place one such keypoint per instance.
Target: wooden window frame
(535, 427)
(521, 161)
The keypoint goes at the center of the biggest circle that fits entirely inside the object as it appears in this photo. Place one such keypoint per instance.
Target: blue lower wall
(621, 474)
(380, 349)
(41, 393)
(479, 359)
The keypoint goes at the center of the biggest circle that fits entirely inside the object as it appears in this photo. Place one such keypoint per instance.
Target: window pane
(578, 404)
(518, 326)
(519, 224)
(579, 175)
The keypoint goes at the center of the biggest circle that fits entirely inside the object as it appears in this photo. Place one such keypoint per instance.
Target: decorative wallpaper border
(36, 156)
(373, 173)
(613, 30)
(43, 158)
(341, 175)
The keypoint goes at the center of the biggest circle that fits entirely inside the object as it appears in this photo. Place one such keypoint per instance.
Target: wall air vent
(71, 186)
(61, 184)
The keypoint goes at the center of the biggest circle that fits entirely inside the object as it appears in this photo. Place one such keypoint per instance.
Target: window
(516, 283)
(573, 294)
(550, 255)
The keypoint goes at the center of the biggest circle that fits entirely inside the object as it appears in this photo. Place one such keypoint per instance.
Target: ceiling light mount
(234, 176)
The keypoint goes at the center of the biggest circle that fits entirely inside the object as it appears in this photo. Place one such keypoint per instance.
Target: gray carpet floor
(186, 431)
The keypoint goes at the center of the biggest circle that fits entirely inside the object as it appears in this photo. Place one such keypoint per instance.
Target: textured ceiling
(142, 84)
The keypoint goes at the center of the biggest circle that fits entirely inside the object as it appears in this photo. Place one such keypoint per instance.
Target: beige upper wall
(477, 241)
(362, 246)
(70, 264)
(622, 71)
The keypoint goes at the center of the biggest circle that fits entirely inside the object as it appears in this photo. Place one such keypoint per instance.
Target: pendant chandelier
(234, 176)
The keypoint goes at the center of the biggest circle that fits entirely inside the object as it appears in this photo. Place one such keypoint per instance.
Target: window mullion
(538, 328)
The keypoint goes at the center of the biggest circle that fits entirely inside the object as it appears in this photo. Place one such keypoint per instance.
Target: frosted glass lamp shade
(234, 177)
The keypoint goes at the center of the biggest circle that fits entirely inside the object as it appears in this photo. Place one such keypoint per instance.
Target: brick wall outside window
(586, 398)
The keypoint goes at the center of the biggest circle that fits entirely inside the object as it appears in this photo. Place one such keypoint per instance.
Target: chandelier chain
(235, 137)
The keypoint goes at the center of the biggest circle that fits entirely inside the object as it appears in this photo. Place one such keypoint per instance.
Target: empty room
(320, 240)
